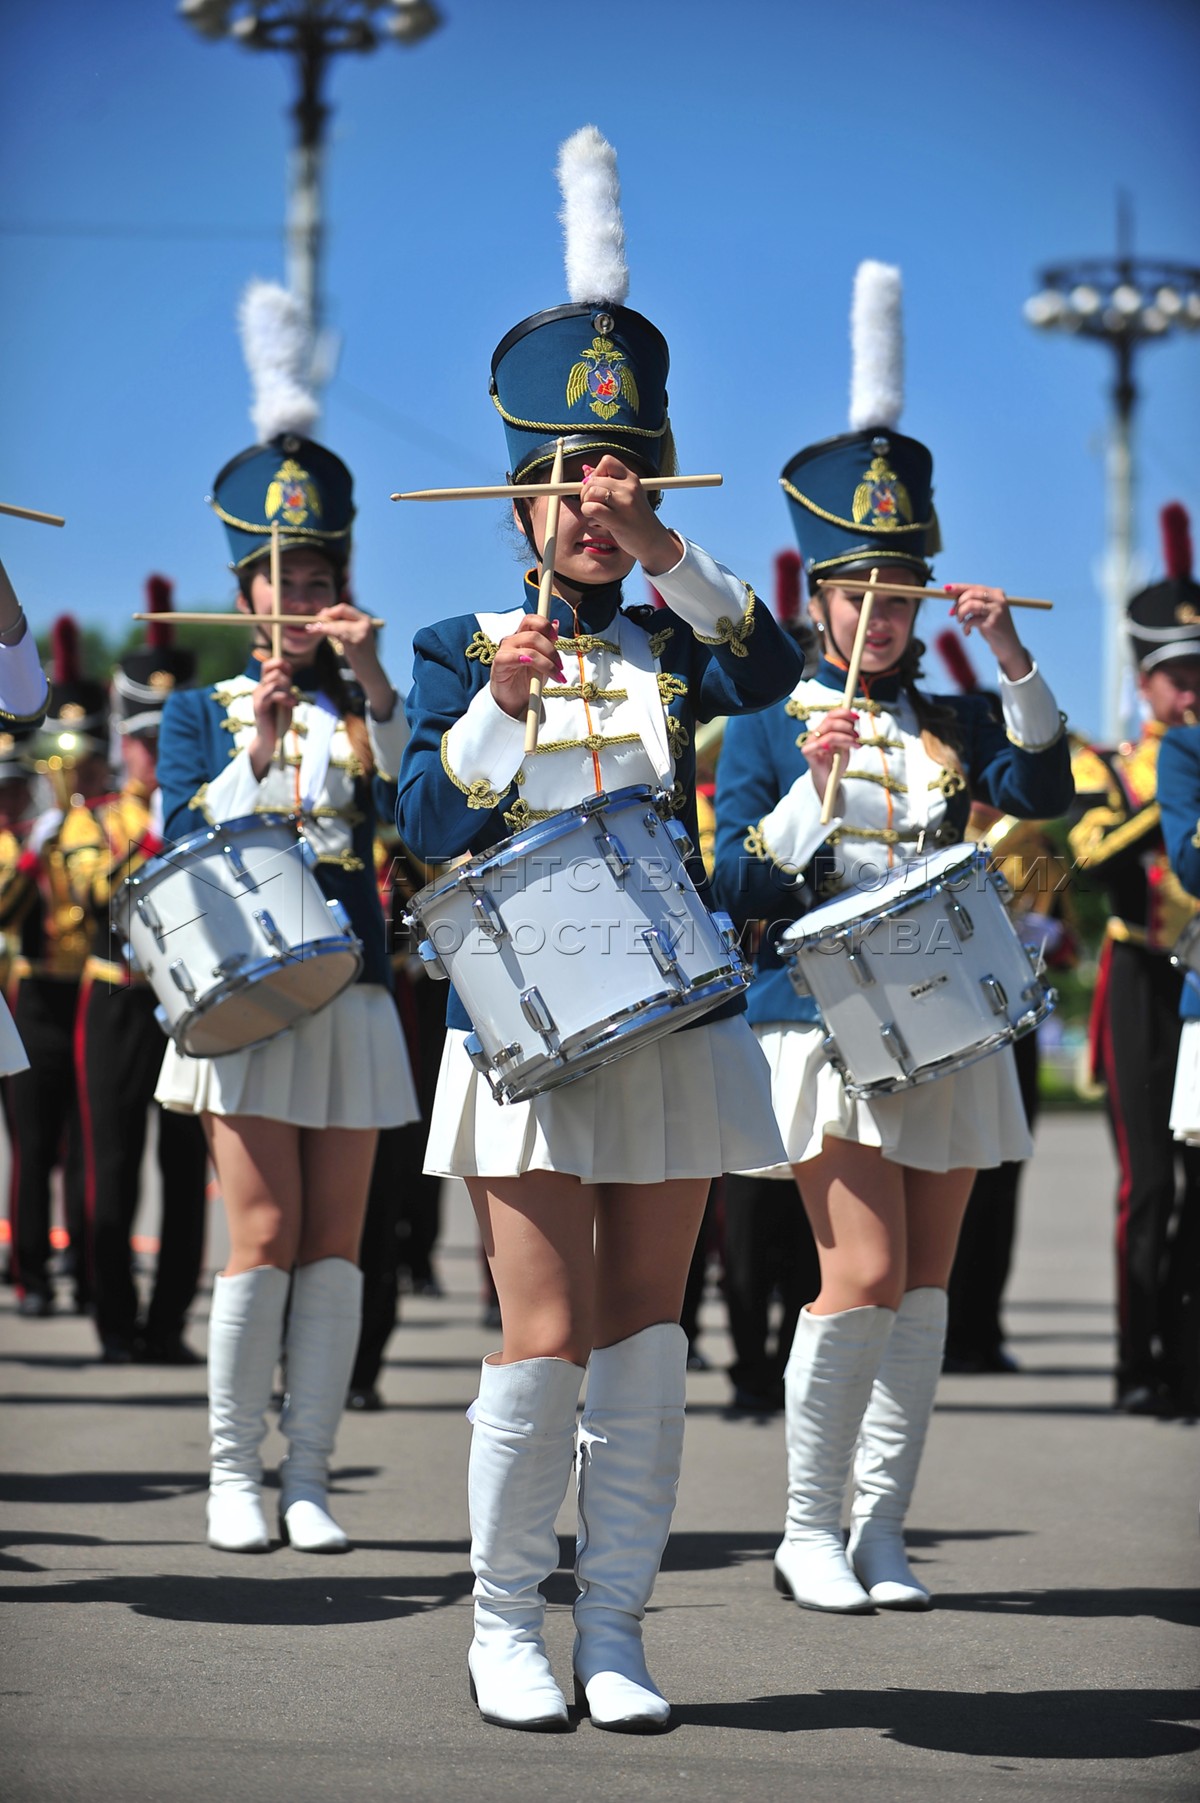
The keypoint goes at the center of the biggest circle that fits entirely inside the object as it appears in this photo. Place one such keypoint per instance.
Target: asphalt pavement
(1060, 1540)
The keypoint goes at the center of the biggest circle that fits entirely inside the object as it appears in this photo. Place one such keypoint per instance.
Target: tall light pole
(314, 32)
(1123, 302)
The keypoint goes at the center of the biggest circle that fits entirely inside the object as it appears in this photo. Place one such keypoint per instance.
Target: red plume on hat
(1177, 541)
(787, 586)
(159, 632)
(950, 649)
(64, 641)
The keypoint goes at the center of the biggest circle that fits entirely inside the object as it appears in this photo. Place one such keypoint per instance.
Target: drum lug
(339, 916)
(860, 969)
(228, 966)
(428, 953)
(507, 1053)
(474, 1049)
(127, 952)
(487, 915)
(679, 833)
(233, 858)
(181, 977)
(1032, 994)
(893, 1039)
(663, 954)
(960, 920)
(614, 855)
(148, 913)
(534, 1008)
(724, 925)
(799, 984)
(995, 993)
(271, 933)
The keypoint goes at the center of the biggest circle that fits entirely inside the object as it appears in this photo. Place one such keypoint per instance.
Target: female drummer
(884, 1182)
(589, 1197)
(291, 1124)
(23, 698)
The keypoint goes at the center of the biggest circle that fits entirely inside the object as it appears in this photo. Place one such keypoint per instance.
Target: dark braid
(937, 723)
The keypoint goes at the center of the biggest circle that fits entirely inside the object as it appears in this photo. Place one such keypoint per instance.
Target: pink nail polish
(522, 659)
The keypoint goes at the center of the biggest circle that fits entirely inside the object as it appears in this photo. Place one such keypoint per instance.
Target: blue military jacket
(773, 859)
(204, 773)
(1179, 810)
(637, 680)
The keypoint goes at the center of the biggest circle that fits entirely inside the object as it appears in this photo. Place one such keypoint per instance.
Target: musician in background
(119, 1043)
(55, 938)
(292, 1124)
(588, 1196)
(1135, 813)
(884, 1181)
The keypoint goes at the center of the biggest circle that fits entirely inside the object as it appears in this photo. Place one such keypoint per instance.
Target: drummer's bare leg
(631, 1440)
(855, 1201)
(892, 1436)
(538, 1234)
(258, 1168)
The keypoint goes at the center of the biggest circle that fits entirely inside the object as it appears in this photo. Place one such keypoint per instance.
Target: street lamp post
(313, 31)
(1124, 302)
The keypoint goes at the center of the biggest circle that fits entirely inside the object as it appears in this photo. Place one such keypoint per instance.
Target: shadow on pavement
(1037, 1724)
(98, 1486)
(266, 1601)
(1180, 1606)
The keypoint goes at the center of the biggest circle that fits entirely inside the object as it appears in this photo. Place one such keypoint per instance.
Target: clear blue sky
(765, 148)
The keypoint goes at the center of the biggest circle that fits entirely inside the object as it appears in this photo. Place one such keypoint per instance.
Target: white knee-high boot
(630, 1447)
(522, 1446)
(245, 1331)
(322, 1336)
(827, 1384)
(891, 1441)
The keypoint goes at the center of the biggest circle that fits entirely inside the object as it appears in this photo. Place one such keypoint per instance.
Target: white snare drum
(576, 941)
(236, 936)
(917, 977)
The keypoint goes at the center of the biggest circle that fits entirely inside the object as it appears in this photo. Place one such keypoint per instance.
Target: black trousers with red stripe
(120, 1052)
(1158, 1201)
(43, 1126)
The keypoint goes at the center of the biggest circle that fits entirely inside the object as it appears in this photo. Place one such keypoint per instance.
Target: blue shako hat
(596, 375)
(286, 476)
(860, 499)
(593, 372)
(295, 481)
(866, 497)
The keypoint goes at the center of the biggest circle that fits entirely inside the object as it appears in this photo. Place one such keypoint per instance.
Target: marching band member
(24, 693)
(1158, 1225)
(292, 1124)
(884, 1181)
(55, 939)
(589, 1196)
(118, 1041)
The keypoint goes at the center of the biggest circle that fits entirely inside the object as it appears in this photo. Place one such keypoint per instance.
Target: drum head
(253, 1012)
(859, 904)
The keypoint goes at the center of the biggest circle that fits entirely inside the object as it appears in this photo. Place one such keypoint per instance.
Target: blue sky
(765, 148)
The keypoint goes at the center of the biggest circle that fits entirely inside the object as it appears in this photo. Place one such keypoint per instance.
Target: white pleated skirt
(1185, 1098)
(693, 1104)
(345, 1066)
(971, 1119)
(13, 1056)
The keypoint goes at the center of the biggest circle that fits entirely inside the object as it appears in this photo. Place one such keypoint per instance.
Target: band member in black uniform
(120, 1044)
(55, 939)
(1117, 838)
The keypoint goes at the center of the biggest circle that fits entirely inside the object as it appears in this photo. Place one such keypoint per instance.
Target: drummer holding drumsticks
(589, 1196)
(884, 1181)
(292, 1124)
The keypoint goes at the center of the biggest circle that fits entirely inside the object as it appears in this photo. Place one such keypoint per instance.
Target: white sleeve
(702, 591)
(387, 740)
(23, 686)
(1031, 715)
(233, 793)
(792, 831)
(484, 745)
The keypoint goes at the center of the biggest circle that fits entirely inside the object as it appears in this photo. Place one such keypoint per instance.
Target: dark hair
(938, 724)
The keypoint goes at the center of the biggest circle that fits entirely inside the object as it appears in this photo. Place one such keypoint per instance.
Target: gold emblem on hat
(603, 374)
(881, 500)
(292, 495)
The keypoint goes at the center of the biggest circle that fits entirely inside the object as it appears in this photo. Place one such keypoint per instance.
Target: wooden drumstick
(31, 513)
(549, 548)
(517, 490)
(903, 588)
(241, 619)
(856, 657)
(277, 640)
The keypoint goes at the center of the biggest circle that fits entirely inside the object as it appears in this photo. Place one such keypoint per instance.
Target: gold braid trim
(835, 519)
(352, 816)
(755, 843)
(583, 691)
(678, 736)
(800, 710)
(950, 782)
(482, 648)
(677, 797)
(885, 782)
(660, 640)
(344, 860)
(670, 686)
(593, 741)
(521, 815)
(479, 794)
(734, 633)
(588, 641)
(573, 426)
(879, 743)
(1045, 746)
(1092, 845)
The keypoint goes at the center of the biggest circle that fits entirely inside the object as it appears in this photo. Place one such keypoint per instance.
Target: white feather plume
(593, 230)
(877, 346)
(278, 349)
